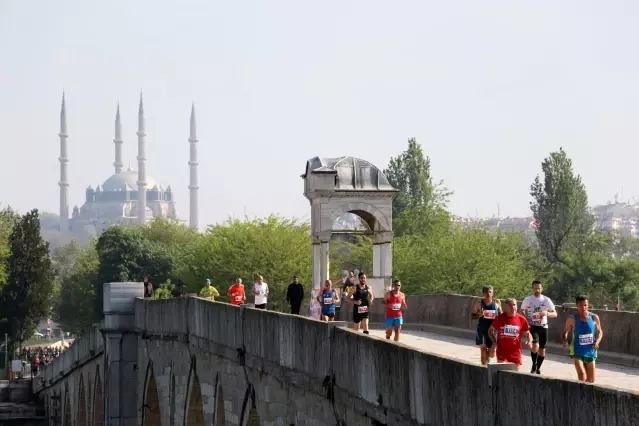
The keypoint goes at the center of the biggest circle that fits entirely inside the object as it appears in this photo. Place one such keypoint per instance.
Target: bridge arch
(98, 400)
(220, 417)
(195, 409)
(82, 404)
(151, 401)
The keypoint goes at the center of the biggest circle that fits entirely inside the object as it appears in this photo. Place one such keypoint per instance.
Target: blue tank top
(490, 313)
(584, 337)
(328, 296)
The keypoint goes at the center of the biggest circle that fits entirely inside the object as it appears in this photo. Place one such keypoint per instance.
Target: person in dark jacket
(148, 288)
(294, 296)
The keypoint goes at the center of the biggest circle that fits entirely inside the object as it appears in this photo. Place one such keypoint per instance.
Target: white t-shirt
(533, 305)
(261, 298)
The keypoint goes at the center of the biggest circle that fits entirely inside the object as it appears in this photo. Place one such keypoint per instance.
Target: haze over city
(488, 89)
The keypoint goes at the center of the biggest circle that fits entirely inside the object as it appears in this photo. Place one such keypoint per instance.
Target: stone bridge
(189, 361)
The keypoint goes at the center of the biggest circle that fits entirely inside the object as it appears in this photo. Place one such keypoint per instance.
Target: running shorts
(515, 358)
(584, 359)
(394, 322)
(482, 337)
(539, 335)
(329, 314)
(359, 316)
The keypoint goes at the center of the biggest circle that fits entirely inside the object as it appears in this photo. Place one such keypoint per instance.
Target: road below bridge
(556, 366)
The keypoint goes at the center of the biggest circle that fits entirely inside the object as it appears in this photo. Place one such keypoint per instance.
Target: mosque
(128, 196)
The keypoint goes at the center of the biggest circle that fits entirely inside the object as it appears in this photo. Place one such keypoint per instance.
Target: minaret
(141, 165)
(193, 187)
(64, 182)
(118, 142)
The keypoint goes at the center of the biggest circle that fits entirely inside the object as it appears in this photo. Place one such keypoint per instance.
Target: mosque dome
(128, 177)
(353, 174)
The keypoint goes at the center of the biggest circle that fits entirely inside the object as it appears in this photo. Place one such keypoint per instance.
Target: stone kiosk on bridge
(335, 186)
(194, 362)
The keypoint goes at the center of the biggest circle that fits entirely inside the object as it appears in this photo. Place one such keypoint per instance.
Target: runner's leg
(479, 340)
(535, 348)
(389, 327)
(397, 329)
(365, 324)
(581, 371)
(591, 370)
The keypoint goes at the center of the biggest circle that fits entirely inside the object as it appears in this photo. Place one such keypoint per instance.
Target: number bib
(396, 306)
(328, 300)
(536, 318)
(238, 298)
(511, 330)
(490, 314)
(362, 309)
(586, 339)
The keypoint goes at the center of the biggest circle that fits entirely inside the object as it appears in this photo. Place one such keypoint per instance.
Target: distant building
(128, 196)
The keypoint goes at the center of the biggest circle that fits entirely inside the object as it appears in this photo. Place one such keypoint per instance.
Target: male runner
(508, 328)
(361, 296)
(538, 308)
(585, 328)
(486, 310)
(236, 293)
(395, 301)
(208, 291)
(327, 298)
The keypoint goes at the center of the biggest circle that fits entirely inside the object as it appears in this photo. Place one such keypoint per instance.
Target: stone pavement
(553, 366)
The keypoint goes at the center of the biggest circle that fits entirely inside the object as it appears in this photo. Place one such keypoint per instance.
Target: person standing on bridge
(327, 298)
(295, 296)
(586, 331)
(361, 296)
(395, 301)
(486, 310)
(260, 291)
(538, 308)
(506, 331)
(236, 293)
(208, 291)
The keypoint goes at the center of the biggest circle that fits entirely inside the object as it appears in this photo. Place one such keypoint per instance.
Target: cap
(207, 281)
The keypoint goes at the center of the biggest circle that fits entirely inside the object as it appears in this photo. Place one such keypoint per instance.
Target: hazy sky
(488, 88)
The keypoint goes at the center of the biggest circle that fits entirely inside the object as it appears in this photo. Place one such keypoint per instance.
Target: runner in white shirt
(537, 309)
(260, 291)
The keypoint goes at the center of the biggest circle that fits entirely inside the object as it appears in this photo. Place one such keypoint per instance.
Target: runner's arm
(476, 313)
(372, 297)
(523, 308)
(404, 304)
(228, 292)
(598, 329)
(570, 323)
(492, 332)
(552, 312)
(386, 296)
(349, 297)
(529, 337)
(215, 292)
(498, 303)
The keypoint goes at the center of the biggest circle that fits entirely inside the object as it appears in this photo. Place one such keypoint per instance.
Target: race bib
(238, 298)
(586, 339)
(490, 314)
(536, 318)
(328, 300)
(362, 309)
(396, 306)
(511, 330)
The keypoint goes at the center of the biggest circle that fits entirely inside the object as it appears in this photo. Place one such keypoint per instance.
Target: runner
(538, 309)
(260, 291)
(362, 297)
(208, 291)
(395, 301)
(236, 293)
(506, 331)
(486, 310)
(586, 332)
(327, 298)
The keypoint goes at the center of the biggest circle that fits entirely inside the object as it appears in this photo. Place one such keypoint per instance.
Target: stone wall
(201, 362)
(454, 311)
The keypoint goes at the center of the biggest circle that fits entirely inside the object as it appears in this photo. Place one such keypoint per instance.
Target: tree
(26, 297)
(126, 254)
(559, 207)
(419, 197)
(274, 247)
(74, 307)
(8, 219)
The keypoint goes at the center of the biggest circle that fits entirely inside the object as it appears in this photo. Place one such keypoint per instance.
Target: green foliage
(77, 272)
(274, 247)
(8, 218)
(165, 291)
(26, 297)
(560, 207)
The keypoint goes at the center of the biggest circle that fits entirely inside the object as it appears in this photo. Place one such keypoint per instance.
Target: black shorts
(358, 317)
(539, 335)
(261, 306)
(482, 337)
(329, 315)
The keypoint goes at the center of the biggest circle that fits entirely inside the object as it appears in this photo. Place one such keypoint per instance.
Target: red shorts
(515, 358)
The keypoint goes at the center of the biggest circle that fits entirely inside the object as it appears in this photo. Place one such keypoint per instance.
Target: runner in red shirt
(236, 292)
(395, 301)
(506, 331)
